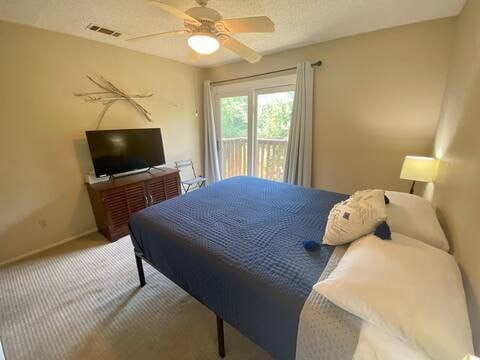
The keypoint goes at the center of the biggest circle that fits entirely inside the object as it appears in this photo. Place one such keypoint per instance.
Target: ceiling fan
(207, 29)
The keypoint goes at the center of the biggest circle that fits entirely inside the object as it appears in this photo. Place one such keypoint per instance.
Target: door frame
(218, 123)
(251, 89)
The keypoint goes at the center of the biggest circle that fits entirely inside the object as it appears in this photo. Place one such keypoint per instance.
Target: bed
(237, 247)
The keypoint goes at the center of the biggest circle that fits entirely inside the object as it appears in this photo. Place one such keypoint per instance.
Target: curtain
(298, 161)
(212, 167)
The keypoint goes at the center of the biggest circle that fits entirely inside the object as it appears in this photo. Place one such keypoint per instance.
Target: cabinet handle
(146, 199)
(151, 199)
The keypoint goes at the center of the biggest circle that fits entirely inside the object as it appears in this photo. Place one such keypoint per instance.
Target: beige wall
(43, 151)
(377, 99)
(457, 189)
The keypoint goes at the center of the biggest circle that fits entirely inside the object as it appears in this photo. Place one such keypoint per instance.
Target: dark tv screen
(119, 151)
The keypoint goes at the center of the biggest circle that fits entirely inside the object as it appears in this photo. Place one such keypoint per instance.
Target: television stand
(114, 201)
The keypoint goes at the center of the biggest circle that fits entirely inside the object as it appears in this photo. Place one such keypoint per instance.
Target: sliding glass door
(253, 124)
(234, 135)
(273, 115)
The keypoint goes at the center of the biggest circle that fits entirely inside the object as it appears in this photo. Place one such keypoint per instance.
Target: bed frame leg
(141, 274)
(220, 338)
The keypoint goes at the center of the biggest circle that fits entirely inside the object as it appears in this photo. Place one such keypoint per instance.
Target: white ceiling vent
(101, 29)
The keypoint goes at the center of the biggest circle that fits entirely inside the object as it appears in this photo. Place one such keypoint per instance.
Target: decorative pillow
(374, 197)
(415, 217)
(357, 216)
(406, 288)
(383, 231)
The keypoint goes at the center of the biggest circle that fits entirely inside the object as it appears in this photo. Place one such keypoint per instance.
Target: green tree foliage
(274, 113)
(234, 113)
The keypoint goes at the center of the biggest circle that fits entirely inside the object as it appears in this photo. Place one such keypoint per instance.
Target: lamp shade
(419, 168)
(204, 44)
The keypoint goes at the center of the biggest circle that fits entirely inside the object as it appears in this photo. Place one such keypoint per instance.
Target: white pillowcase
(357, 216)
(376, 344)
(410, 290)
(415, 217)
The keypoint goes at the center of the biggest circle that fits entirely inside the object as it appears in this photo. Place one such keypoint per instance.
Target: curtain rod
(318, 63)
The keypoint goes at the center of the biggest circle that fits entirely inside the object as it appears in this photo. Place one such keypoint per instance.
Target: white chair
(189, 179)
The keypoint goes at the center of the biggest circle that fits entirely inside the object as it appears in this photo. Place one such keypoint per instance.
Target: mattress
(237, 247)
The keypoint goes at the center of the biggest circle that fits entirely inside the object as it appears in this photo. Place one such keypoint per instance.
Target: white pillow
(373, 343)
(415, 217)
(357, 216)
(413, 292)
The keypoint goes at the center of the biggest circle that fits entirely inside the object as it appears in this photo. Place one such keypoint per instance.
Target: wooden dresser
(114, 201)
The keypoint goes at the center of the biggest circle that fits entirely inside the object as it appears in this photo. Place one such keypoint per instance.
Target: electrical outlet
(42, 223)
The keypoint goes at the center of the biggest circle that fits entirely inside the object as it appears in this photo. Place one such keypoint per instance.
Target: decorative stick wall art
(109, 95)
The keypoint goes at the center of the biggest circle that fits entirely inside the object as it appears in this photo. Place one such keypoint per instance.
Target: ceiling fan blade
(144, 37)
(248, 24)
(242, 50)
(175, 12)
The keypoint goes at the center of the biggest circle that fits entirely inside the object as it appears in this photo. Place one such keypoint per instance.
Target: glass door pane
(274, 111)
(234, 135)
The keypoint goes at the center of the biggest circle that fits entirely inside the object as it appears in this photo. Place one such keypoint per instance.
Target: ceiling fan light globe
(203, 44)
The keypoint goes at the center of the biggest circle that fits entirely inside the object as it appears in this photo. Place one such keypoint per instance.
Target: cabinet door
(156, 190)
(136, 198)
(172, 186)
(116, 209)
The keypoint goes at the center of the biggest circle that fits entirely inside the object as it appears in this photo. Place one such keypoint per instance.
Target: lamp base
(412, 189)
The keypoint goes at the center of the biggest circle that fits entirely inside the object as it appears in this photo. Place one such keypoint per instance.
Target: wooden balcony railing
(269, 162)
(234, 157)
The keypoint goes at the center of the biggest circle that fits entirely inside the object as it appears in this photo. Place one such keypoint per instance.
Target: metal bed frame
(141, 275)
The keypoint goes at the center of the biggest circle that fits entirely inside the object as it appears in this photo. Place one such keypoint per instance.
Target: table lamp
(418, 168)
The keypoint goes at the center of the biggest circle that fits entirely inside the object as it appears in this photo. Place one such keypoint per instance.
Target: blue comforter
(237, 247)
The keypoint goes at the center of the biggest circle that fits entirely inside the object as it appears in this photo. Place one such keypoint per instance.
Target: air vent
(100, 29)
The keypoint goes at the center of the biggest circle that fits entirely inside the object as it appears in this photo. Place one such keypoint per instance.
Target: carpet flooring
(81, 300)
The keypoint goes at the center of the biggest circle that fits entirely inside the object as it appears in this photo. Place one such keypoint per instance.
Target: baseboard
(30, 253)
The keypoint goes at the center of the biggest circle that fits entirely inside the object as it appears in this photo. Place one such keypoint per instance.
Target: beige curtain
(298, 161)
(212, 167)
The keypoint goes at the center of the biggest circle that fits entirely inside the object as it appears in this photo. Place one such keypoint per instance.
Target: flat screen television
(120, 151)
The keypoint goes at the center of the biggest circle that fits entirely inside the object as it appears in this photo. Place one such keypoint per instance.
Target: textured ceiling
(297, 22)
